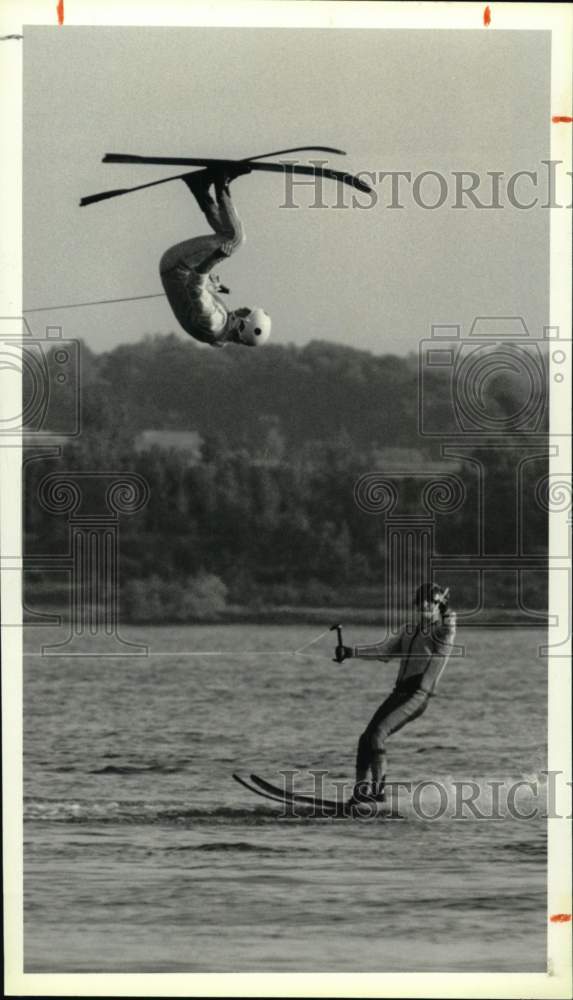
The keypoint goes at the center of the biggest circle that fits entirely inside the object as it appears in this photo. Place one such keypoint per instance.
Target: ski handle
(338, 638)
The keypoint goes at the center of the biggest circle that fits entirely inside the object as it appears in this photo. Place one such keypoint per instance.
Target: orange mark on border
(561, 118)
(487, 17)
(60, 9)
(560, 918)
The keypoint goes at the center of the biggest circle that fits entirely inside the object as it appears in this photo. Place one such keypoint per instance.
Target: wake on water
(444, 799)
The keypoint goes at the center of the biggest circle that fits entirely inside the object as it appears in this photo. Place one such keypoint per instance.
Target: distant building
(404, 460)
(31, 439)
(188, 443)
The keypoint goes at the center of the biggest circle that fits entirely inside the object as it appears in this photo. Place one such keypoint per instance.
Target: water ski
(306, 803)
(314, 806)
(208, 163)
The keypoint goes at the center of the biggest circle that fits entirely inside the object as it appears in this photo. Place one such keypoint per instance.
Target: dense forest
(262, 512)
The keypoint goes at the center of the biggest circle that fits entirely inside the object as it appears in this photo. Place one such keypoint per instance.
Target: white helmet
(252, 326)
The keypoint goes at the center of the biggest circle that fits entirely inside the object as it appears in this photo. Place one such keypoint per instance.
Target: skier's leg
(199, 253)
(187, 263)
(199, 183)
(404, 710)
(219, 211)
(363, 759)
(379, 759)
(367, 747)
(229, 225)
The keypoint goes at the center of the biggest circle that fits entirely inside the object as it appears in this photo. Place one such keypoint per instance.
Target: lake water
(142, 854)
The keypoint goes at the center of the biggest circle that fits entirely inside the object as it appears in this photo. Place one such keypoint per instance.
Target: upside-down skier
(193, 291)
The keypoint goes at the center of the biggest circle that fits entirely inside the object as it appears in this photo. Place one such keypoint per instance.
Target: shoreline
(495, 617)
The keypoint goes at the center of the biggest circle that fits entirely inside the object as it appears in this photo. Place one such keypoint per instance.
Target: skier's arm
(385, 650)
(218, 285)
(446, 631)
(444, 634)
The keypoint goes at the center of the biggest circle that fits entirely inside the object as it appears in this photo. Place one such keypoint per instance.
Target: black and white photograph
(285, 490)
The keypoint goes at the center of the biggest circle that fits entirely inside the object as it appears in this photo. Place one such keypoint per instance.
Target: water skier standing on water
(192, 291)
(423, 655)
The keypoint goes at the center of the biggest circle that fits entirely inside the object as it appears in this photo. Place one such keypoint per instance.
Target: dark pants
(403, 705)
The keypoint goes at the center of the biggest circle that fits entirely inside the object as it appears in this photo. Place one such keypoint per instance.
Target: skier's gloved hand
(343, 653)
(443, 602)
(447, 624)
(218, 284)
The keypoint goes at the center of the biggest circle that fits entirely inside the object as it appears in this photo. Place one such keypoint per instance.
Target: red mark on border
(560, 918)
(561, 118)
(487, 17)
(60, 9)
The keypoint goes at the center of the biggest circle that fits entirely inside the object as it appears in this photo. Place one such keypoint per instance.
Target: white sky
(396, 100)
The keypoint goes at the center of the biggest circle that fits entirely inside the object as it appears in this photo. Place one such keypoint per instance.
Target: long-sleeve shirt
(423, 653)
(194, 300)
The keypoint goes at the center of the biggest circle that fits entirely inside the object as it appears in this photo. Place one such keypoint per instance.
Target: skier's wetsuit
(423, 654)
(185, 269)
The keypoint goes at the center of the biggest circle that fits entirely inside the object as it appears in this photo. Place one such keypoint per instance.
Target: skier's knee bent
(235, 240)
(189, 253)
(370, 744)
(376, 738)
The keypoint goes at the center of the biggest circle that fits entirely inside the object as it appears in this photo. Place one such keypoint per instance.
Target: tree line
(268, 515)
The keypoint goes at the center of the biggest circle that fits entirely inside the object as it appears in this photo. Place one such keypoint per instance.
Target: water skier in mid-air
(193, 291)
(423, 654)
